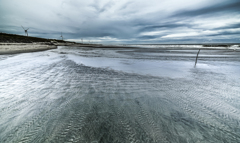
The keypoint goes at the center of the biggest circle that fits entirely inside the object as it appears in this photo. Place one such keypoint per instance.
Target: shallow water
(120, 95)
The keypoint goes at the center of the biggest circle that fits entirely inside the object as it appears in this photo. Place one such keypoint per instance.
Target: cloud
(165, 26)
(221, 8)
(130, 21)
(229, 26)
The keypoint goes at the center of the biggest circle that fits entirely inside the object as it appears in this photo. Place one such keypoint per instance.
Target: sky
(125, 21)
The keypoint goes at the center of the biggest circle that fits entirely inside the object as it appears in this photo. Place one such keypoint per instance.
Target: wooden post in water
(196, 58)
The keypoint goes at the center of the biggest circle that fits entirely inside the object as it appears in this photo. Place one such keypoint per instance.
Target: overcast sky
(125, 21)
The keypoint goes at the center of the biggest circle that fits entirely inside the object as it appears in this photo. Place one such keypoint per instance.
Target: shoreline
(14, 44)
(15, 48)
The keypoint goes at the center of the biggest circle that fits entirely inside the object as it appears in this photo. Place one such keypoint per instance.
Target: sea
(138, 94)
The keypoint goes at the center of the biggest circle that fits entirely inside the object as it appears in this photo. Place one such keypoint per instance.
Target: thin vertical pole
(196, 58)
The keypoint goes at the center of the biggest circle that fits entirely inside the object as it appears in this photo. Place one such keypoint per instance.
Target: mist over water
(77, 94)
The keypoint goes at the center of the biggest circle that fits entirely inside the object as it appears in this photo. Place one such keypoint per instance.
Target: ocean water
(120, 95)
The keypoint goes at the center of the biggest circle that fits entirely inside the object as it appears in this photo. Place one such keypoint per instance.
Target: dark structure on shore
(26, 30)
(61, 36)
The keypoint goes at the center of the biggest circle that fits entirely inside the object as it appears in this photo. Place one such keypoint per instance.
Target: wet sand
(120, 95)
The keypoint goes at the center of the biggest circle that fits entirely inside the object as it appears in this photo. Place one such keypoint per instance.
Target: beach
(14, 44)
(111, 71)
(24, 48)
(87, 94)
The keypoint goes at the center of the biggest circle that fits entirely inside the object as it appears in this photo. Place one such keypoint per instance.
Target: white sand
(13, 48)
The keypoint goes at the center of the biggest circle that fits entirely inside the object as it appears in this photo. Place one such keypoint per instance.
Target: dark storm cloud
(147, 37)
(226, 33)
(164, 26)
(226, 7)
